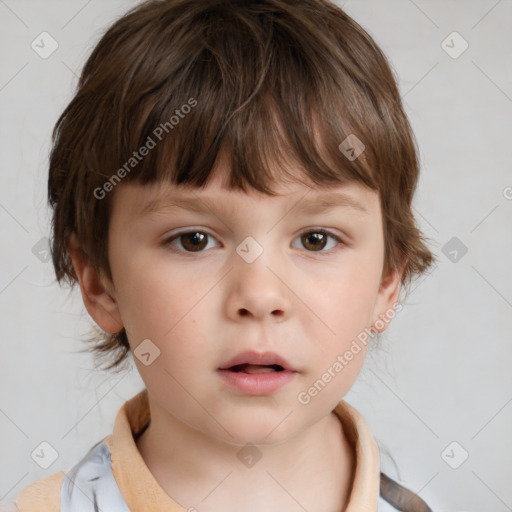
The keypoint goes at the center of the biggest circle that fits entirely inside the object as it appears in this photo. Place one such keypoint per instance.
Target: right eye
(190, 241)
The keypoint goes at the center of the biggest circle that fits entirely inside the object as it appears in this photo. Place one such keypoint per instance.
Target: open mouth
(257, 374)
(256, 368)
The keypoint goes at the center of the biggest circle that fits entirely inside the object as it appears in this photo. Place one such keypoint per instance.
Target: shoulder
(42, 495)
(75, 489)
(394, 496)
(91, 485)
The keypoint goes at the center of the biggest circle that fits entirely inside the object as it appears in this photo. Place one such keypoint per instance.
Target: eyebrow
(320, 203)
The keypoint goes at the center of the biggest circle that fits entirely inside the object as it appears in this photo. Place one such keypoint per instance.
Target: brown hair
(174, 85)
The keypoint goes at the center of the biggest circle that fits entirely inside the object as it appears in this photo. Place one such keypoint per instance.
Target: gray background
(442, 373)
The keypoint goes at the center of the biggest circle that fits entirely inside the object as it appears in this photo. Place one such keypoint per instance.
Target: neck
(313, 470)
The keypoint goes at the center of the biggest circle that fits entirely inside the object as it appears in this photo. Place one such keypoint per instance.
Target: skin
(305, 302)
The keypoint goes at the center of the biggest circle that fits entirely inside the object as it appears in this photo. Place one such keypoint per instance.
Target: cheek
(185, 359)
(157, 301)
(339, 327)
(344, 304)
(166, 307)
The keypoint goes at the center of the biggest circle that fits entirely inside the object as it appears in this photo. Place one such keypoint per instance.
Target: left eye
(316, 240)
(197, 241)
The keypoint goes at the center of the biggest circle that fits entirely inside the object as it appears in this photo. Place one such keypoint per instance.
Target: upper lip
(258, 358)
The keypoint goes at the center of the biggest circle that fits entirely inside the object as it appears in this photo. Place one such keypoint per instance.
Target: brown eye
(195, 241)
(189, 242)
(318, 240)
(314, 240)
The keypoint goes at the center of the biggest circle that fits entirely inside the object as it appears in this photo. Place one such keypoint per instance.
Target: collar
(142, 492)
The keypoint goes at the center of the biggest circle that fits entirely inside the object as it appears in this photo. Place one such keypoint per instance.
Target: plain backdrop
(436, 392)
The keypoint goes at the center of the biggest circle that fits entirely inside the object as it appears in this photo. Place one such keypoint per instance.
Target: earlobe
(97, 291)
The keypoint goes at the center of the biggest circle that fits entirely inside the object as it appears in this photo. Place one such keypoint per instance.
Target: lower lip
(257, 384)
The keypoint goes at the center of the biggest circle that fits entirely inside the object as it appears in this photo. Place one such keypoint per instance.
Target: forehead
(141, 201)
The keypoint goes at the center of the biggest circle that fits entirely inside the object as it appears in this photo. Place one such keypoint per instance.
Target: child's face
(204, 300)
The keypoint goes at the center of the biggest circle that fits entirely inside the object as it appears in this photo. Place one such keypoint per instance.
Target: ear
(387, 297)
(97, 290)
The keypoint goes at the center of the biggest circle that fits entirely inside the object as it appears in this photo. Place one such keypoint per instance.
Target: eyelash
(167, 242)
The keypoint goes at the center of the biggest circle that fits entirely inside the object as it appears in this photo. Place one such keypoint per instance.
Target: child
(211, 145)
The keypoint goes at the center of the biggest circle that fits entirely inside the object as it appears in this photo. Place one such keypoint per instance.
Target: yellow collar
(142, 492)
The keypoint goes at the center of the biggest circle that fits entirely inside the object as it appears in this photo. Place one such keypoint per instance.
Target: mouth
(257, 362)
(257, 374)
(255, 368)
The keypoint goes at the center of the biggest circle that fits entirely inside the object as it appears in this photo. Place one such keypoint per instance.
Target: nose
(258, 291)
